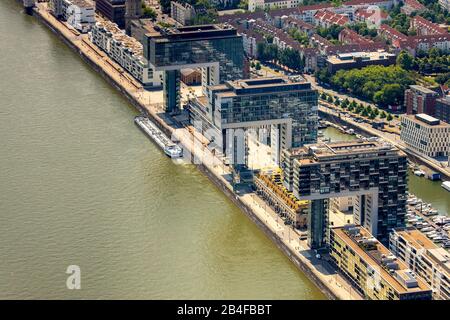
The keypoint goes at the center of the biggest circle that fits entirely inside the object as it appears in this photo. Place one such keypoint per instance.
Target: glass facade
(228, 52)
(300, 106)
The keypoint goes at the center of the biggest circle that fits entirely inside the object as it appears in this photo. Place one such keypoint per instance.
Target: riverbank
(330, 283)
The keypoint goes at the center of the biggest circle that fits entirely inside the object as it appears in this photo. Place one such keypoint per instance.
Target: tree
(405, 60)
(258, 66)
(389, 117)
(290, 58)
(149, 13)
(323, 96)
(330, 99)
(383, 115)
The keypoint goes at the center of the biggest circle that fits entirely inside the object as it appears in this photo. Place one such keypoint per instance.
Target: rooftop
(198, 32)
(393, 271)
(260, 86)
(419, 241)
(364, 56)
(426, 120)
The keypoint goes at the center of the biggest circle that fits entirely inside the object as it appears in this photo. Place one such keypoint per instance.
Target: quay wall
(323, 286)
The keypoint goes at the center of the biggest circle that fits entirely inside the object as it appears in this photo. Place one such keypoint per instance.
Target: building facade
(357, 60)
(78, 13)
(113, 10)
(372, 268)
(426, 134)
(423, 257)
(217, 49)
(287, 106)
(375, 174)
(183, 13)
(126, 51)
(419, 99)
(442, 111)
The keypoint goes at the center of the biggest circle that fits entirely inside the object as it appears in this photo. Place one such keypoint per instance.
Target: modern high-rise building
(419, 99)
(113, 10)
(217, 49)
(429, 261)
(288, 107)
(426, 134)
(372, 268)
(373, 173)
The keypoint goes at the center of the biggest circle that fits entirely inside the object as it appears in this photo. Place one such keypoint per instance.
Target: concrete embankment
(300, 262)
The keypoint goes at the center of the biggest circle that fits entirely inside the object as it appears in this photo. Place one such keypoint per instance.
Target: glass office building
(218, 49)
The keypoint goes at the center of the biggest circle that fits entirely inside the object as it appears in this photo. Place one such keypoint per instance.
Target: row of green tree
(357, 108)
(287, 57)
(382, 85)
(431, 62)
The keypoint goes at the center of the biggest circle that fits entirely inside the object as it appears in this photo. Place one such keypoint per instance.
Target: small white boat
(446, 185)
(419, 173)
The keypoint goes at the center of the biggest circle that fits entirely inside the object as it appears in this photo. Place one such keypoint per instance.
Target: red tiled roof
(331, 17)
(414, 4)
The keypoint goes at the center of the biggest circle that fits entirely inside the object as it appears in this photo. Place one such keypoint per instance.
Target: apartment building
(373, 173)
(419, 99)
(253, 5)
(429, 261)
(326, 19)
(348, 36)
(426, 134)
(80, 14)
(372, 268)
(126, 51)
(424, 27)
(410, 6)
(183, 13)
(442, 111)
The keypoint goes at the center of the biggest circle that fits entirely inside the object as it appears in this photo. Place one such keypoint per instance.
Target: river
(81, 185)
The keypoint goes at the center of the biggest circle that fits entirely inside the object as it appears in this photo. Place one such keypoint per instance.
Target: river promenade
(149, 103)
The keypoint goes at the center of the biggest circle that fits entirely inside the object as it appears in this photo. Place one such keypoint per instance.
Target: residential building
(410, 6)
(348, 36)
(395, 37)
(429, 261)
(126, 51)
(182, 12)
(56, 8)
(424, 27)
(113, 10)
(272, 4)
(346, 61)
(217, 49)
(442, 111)
(425, 43)
(326, 19)
(80, 14)
(374, 173)
(372, 268)
(373, 17)
(419, 99)
(426, 134)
